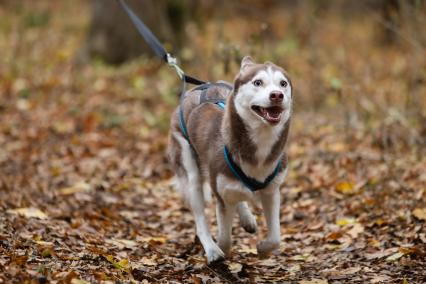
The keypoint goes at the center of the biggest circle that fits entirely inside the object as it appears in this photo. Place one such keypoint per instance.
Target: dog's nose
(276, 97)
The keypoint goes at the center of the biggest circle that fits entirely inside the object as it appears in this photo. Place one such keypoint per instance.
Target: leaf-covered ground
(85, 189)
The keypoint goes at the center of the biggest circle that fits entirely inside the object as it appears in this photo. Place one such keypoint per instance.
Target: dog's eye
(283, 84)
(257, 83)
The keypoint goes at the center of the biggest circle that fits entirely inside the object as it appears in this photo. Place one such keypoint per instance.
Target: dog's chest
(264, 139)
(232, 190)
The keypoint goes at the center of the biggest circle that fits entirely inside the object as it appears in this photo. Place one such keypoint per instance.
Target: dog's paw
(214, 255)
(264, 248)
(249, 224)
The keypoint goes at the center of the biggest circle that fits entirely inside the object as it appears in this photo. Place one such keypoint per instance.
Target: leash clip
(172, 61)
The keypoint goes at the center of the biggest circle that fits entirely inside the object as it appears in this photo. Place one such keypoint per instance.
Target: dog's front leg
(225, 215)
(271, 209)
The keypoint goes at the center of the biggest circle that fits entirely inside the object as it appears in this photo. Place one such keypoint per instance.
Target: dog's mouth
(270, 114)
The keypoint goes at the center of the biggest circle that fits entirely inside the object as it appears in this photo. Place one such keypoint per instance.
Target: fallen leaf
(78, 187)
(152, 240)
(248, 250)
(380, 254)
(196, 279)
(122, 264)
(48, 252)
(420, 213)
(351, 270)
(122, 243)
(235, 267)
(356, 230)
(28, 212)
(43, 243)
(333, 236)
(380, 279)
(314, 281)
(380, 222)
(79, 281)
(294, 268)
(301, 257)
(411, 250)
(346, 187)
(148, 261)
(345, 221)
(395, 256)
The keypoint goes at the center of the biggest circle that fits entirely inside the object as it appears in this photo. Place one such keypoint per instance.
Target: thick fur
(255, 144)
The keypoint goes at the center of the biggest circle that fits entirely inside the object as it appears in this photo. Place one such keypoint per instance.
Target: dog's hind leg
(195, 198)
(225, 214)
(247, 220)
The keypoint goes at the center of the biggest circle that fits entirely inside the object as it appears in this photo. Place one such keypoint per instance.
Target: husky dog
(230, 139)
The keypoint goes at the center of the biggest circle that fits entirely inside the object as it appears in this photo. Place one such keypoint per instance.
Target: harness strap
(182, 124)
(249, 182)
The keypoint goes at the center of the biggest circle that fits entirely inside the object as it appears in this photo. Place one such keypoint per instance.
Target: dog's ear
(247, 60)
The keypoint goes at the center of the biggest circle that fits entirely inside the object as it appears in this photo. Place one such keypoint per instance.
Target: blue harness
(249, 182)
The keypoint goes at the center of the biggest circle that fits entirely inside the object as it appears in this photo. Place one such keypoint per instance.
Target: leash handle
(156, 46)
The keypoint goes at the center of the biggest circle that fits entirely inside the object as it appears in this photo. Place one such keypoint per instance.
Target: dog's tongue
(272, 114)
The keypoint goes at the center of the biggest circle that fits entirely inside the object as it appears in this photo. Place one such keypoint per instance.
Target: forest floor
(86, 192)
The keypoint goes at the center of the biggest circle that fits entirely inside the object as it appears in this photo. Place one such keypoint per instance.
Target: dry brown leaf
(314, 281)
(78, 281)
(29, 212)
(302, 257)
(248, 250)
(420, 213)
(351, 270)
(78, 187)
(148, 261)
(378, 254)
(381, 279)
(345, 221)
(346, 187)
(152, 240)
(235, 267)
(294, 268)
(122, 264)
(122, 243)
(395, 256)
(356, 230)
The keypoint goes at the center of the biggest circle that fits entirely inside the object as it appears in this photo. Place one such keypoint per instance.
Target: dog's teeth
(269, 117)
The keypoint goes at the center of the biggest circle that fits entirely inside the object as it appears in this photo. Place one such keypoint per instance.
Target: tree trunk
(113, 37)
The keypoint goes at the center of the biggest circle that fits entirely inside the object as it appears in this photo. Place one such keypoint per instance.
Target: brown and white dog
(254, 127)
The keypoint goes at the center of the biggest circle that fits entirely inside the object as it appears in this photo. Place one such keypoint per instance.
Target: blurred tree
(394, 14)
(113, 38)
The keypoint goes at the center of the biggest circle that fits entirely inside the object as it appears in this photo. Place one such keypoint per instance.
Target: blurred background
(76, 73)
(84, 116)
(363, 59)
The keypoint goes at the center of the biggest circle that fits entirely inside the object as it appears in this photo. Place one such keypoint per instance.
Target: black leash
(158, 48)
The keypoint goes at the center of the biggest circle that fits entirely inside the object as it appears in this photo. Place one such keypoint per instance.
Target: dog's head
(262, 93)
